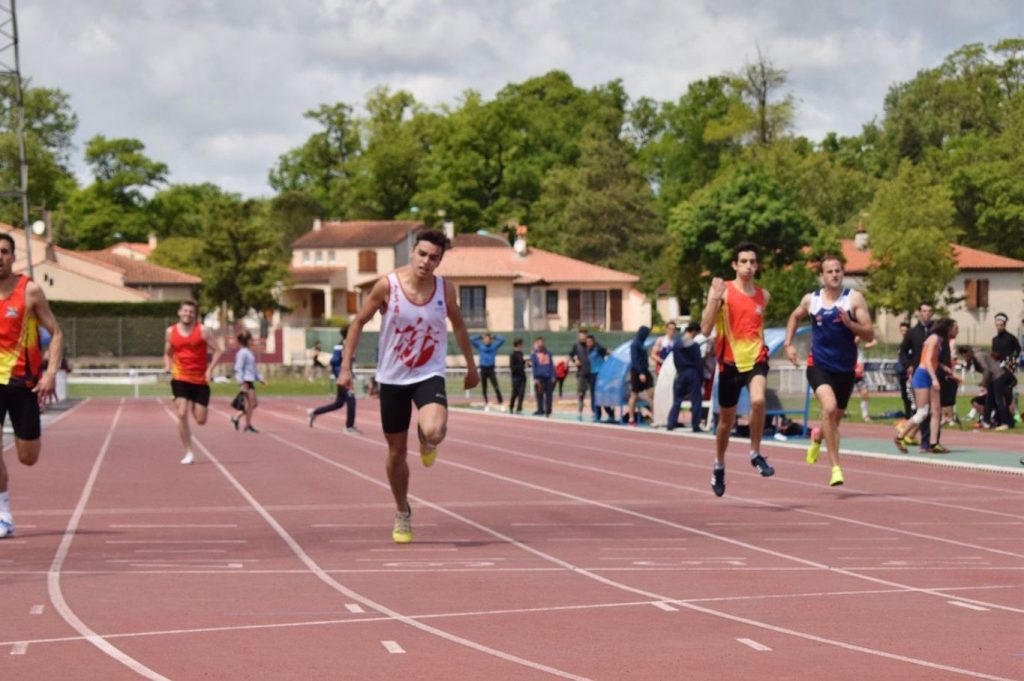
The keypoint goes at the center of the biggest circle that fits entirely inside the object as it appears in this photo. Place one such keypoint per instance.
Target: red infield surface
(541, 550)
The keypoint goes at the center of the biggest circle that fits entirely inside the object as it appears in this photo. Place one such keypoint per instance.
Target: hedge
(69, 308)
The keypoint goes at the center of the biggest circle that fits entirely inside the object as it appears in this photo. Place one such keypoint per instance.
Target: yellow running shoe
(402, 531)
(837, 476)
(815, 449)
(428, 454)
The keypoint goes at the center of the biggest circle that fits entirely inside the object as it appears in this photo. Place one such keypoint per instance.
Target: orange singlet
(20, 357)
(740, 327)
(929, 356)
(189, 353)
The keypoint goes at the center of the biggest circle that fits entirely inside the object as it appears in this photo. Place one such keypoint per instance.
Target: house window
(319, 256)
(551, 302)
(473, 301)
(330, 256)
(593, 305)
(305, 257)
(976, 293)
(367, 262)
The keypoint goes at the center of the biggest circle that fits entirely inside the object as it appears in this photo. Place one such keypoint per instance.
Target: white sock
(754, 454)
(5, 505)
(863, 410)
(719, 466)
(972, 414)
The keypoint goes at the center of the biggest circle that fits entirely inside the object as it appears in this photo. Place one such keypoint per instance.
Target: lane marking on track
(354, 608)
(152, 526)
(373, 525)
(969, 606)
(751, 643)
(176, 541)
(761, 524)
(662, 605)
(19, 648)
(392, 647)
(37, 610)
(53, 577)
(573, 524)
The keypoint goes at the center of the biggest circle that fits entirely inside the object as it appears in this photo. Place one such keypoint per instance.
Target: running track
(542, 550)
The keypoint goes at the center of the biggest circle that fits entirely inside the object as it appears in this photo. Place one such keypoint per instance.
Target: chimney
(520, 246)
(449, 229)
(317, 225)
(152, 241)
(860, 239)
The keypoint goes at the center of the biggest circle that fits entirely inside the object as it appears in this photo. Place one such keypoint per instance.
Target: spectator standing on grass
(910, 357)
(517, 366)
(543, 376)
(641, 383)
(902, 375)
(488, 346)
(689, 380)
(597, 354)
(1006, 348)
(24, 389)
(246, 375)
(996, 382)
(860, 380)
(662, 347)
(927, 387)
(579, 355)
(343, 397)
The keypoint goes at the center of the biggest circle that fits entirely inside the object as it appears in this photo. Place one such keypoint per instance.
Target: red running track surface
(542, 550)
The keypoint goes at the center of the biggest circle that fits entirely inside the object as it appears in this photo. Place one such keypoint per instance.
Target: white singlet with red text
(413, 338)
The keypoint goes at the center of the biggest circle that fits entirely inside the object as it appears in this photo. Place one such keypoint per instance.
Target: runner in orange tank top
(736, 312)
(186, 346)
(24, 386)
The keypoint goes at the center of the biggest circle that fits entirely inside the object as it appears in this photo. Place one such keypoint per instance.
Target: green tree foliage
(602, 210)
(184, 253)
(243, 260)
(744, 204)
(766, 115)
(910, 226)
(291, 214)
(178, 210)
(50, 124)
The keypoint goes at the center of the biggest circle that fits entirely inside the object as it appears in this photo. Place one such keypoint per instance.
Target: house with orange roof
(987, 282)
(97, 276)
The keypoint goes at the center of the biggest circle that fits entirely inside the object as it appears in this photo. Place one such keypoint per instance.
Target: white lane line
(392, 647)
(177, 541)
(760, 524)
(969, 606)
(53, 576)
(137, 526)
(37, 610)
(414, 549)
(373, 525)
(165, 551)
(19, 648)
(662, 605)
(573, 524)
(354, 608)
(751, 643)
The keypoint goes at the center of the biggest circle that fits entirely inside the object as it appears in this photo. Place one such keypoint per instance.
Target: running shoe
(428, 454)
(911, 440)
(401, 533)
(761, 464)
(234, 422)
(352, 430)
(1002, 426)
(250, 429)
(938, 449)
(815, 449)
(312, 417)
(718, 481)
(6, 527)
(837, 477)
(901, 444)
(188, 458)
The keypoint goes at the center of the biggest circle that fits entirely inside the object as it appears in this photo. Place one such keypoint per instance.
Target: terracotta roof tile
(479, 241)
(369, 233)
(486, 262)
(141, 272)
(857, 262)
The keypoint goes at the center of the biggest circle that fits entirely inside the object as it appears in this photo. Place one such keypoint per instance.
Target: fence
(114, 337)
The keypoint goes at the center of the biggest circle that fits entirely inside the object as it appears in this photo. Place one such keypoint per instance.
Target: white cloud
(217, 88)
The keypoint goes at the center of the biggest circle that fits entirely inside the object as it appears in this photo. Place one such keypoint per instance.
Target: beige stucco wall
(68, 285)
(347, 258)
(167, 291)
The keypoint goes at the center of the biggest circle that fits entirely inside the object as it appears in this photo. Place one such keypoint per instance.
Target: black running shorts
(193, 392)
(396, 401)
(638, 386)
(23, 406)
(840, 382)
(731, 382)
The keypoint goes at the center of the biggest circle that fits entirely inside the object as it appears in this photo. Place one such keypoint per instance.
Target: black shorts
(948, 388)
(23, 406)
(731, 382)
(193, 392)
(841, 383)
(635, 384)
(396, 401)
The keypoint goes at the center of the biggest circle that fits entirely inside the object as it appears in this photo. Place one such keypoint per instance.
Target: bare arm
(168, 351)
(799, 312)
(40, 309)
(378, 297)
(860, 321)
(213, 345)
(716, 298)
(461, 335)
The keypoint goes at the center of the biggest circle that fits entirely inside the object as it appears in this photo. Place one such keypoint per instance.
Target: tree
(243, 261)
(184, 253)
(602, 211)
(911, 230)
(291, 214)
(178, 210)
(743, 204)
(757, 85)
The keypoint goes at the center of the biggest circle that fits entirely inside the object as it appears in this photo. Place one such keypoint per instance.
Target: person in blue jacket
(487, 345)
(342, 398)
(543, 376)
(597, 354)
(640, 379)
(689, 377)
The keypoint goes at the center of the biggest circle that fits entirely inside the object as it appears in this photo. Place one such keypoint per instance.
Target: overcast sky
(217, 88)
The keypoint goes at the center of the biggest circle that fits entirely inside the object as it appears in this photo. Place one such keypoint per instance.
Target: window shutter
(615, 296)
(983, 293)
(971, 294)
(574, 308)
(352, 305)
(367, 261)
